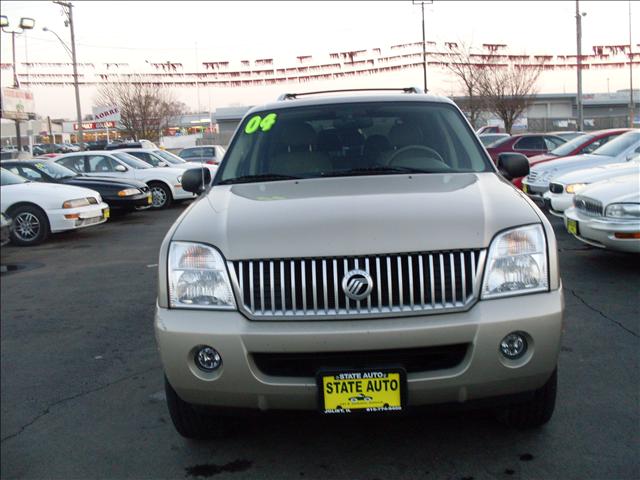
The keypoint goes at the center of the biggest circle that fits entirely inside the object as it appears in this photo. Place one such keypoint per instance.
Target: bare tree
(468, 69)
(145, 109)
(508, 88)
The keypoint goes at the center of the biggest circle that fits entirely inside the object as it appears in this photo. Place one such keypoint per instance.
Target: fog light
(513, 345)
(208, 359)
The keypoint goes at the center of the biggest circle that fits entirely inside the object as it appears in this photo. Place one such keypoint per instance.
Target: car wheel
(535, 412)
(30, 225)
(189, 422)
(160, 195)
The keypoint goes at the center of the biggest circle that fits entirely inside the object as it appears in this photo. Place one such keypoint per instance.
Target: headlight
(198, 278)
(575, 187)
(623, 210)
(78, 202)
(517, 263)
(128, 192)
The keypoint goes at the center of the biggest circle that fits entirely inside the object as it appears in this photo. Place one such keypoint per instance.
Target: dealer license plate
(362, 391)
(106, 213)
(525, 188)
(572, 227)
(149, 199)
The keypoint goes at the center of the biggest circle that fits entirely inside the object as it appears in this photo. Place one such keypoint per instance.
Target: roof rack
(292, 96)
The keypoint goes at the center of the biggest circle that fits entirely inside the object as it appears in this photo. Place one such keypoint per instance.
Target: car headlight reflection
(198, 278)
(127, 192)
(623, 210)
(575, 187)
(517, 263)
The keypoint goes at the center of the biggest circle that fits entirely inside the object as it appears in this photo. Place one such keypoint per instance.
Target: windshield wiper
(380, 170)
(264, 177)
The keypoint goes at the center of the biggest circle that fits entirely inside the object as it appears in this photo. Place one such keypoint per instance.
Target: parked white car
(621, 149)
(564, 187)
(38, 209)
(165, 183)
(161, 158)
(606, 214)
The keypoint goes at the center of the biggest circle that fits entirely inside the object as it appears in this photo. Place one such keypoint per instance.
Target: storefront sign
(95, 125)
(17, 104)
(106, 113)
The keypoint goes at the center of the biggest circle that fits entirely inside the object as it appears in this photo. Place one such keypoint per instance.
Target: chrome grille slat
(403, 284)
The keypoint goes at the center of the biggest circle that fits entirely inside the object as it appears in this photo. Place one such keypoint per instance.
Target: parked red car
(529, 144)
(586, 143)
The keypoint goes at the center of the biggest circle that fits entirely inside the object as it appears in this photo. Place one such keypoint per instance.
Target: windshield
(352, 139)
(566, 148)
(130, 160)
(169, 157)
(618, 145)
(8, 178)
(55, 170)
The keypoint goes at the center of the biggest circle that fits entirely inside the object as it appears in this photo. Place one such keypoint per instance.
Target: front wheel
(535, 412)
(160, 195)
(188, 421)
(30, 225)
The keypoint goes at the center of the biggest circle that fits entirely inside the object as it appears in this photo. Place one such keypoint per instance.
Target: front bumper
(601, 231)
(557, 203)
(482, 373)
(86, 217)
(133, 202)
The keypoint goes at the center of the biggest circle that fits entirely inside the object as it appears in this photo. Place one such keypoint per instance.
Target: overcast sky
(133, 32)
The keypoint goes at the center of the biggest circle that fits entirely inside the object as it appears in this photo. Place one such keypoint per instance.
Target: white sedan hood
(623, 189)
(46, 195)
(596, 174)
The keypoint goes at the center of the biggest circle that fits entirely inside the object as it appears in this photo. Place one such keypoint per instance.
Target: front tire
(188, 421)
(30, 225)
(160, 195)
(535, 412)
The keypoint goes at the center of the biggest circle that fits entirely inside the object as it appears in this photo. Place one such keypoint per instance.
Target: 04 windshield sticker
(263, 124)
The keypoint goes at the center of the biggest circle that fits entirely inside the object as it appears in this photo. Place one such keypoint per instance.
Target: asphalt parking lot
(82, 393)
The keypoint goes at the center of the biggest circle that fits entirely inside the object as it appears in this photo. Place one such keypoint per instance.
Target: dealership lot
(82, 393)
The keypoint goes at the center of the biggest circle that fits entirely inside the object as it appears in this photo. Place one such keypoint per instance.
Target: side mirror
(513, 165)
(196, 180)
(121, 168)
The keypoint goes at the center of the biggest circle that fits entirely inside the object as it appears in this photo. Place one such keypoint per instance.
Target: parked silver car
(358, 245)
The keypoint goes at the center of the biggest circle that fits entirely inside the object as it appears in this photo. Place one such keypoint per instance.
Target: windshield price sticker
(257, 122)
(367, 391)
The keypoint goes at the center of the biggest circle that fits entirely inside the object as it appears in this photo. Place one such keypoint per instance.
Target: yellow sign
(370, 391)
(106, 213)
(572, 227)
(525, 189)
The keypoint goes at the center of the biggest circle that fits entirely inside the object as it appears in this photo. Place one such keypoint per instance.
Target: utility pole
(579, 42)
(631, 102)
(68, 10)
(424, 41)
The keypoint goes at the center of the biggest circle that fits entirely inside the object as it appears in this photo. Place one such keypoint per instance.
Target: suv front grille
(414, 283)
(556, 187)
(588, 206)
(413, 360)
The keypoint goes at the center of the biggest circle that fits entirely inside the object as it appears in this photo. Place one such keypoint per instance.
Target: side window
(100, 163)
(552, 143)
(145, 157)
(530, 143)
(75, 163)
(31, 174)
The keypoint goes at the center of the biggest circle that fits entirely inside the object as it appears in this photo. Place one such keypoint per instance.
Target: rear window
(348, 139)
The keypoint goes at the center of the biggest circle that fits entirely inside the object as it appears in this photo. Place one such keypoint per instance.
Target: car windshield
(566, 148)
(55, 170)
(618, 145)
(130, 160)
(8, 178)
(352, 139)
(169, 157)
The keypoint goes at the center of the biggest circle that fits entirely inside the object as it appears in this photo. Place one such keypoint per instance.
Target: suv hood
(347, 216)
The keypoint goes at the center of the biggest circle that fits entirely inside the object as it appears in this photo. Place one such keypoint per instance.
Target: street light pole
(424, 41)
(25, 24)
(68, 10)
(579, 44)
(631, 103)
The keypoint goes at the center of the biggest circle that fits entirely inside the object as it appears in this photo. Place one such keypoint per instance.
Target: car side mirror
(121, 168)
(513, 165)
(196, 180)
